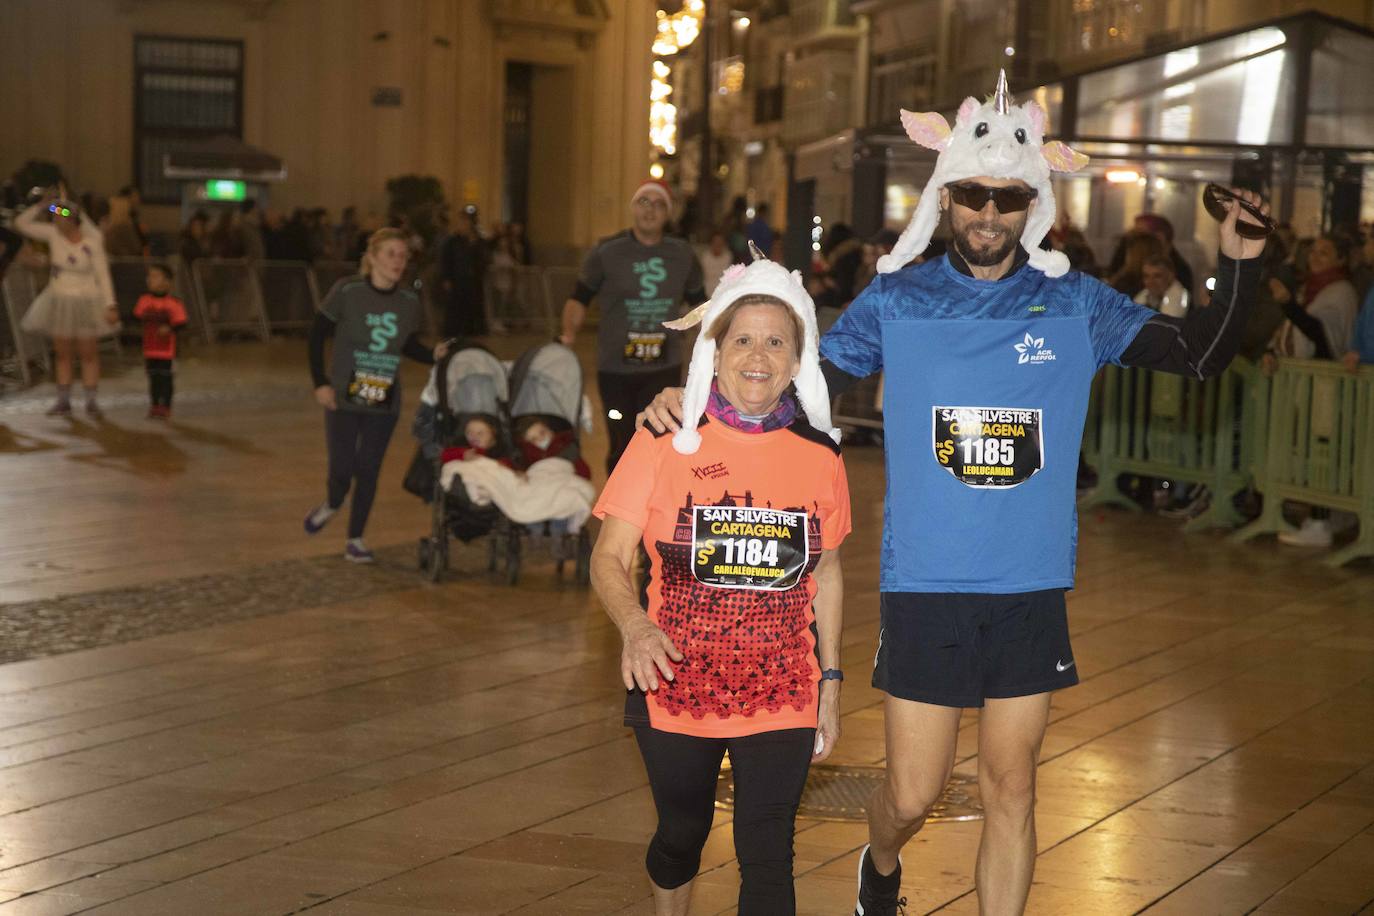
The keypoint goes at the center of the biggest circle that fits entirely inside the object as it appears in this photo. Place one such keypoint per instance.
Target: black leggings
(159, 381)
(357, 444)
(769, 770)
(629, 394)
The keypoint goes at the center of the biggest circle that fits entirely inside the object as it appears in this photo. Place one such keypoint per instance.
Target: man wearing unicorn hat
(988, 355)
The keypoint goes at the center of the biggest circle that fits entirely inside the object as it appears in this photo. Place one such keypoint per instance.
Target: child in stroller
(537, 491)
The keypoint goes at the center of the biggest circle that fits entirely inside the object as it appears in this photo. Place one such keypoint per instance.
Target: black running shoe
(874, 903)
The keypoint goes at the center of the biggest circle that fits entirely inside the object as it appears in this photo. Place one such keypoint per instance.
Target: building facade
(348, 93)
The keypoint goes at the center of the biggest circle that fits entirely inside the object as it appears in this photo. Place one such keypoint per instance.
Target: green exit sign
(225, 190)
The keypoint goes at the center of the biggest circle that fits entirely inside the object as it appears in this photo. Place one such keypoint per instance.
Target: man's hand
(567, 339)
(441, 349)
(1269, 365)
(1351, 361)
(112, 315)
(1232, 244)
(664, 413)
(648, 652)
(324, 396)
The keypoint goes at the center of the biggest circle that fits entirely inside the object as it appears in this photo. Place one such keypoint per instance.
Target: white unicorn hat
(993, 140)
(761, 278)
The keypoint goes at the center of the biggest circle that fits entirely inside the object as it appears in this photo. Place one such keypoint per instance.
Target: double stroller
(470, 393)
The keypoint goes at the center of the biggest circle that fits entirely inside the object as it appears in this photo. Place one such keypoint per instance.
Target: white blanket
(550, 489)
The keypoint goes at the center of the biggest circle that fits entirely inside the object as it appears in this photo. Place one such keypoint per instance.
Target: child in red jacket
(162, 315)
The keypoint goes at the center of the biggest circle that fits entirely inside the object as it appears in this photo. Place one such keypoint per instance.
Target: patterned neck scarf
(782, 416)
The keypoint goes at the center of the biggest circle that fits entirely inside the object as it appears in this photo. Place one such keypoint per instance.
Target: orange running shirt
(155, 311)
(733, 533)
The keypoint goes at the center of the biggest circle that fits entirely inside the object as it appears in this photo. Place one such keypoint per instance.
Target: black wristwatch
(832, 674)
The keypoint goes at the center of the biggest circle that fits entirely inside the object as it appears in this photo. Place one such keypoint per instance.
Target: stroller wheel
(425, 554)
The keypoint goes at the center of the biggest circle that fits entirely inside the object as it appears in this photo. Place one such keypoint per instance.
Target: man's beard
(984, 257)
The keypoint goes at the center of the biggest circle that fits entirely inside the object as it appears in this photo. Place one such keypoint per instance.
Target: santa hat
(992, 140)
(654, 186)
(761, 278)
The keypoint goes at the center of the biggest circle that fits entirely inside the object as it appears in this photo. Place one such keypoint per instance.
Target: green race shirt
(371, 326)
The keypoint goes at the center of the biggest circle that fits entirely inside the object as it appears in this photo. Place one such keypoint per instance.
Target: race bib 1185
(989, 447)
(739, 547)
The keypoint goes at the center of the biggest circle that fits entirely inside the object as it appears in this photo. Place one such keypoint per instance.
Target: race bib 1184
(739, 547)
(988, 447)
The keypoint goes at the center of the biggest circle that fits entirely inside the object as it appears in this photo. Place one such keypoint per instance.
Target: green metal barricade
(1174, 428)
(1319, 449)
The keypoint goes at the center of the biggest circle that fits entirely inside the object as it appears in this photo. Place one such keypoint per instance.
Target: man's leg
(921, 739)
(617, 399)
(1010, 732)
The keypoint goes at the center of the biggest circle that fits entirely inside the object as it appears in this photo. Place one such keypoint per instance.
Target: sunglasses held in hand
(975, 196)
(1214, 200)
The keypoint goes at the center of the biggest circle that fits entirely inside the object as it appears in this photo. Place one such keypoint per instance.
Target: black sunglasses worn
(976, 196)
(1214, 198)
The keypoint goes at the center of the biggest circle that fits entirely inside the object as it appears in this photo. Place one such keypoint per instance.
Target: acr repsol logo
(1032, 350)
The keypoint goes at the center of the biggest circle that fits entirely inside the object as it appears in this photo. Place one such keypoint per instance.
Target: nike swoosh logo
(1060, 666)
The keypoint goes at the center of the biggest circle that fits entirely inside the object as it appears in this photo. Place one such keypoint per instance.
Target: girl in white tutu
(77, 307)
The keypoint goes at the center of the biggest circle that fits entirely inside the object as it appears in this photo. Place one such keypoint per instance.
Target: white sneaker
(1315, 532)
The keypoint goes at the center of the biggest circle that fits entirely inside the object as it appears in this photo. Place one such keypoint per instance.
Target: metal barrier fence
(559, 283)
(20, 352)
(521, 302)
(289, 296)
(230, 297)
(861, 406)
(324, 274)
(258, 298)
(129, 276)
(1319, 449)
(1173, 428)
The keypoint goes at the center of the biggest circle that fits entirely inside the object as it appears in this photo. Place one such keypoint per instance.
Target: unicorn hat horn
(996, 139)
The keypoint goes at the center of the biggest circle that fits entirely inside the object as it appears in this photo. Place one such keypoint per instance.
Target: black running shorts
(960, 649)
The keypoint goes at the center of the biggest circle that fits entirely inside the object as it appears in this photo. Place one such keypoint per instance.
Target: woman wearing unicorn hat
(741, 512)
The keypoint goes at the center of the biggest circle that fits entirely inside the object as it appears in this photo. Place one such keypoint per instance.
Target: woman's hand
(441, 349)
(664, 413)
(112, 315)
(324, 396)
(827, 721)
(647, 653)
(1351, 361)
(1269, 365)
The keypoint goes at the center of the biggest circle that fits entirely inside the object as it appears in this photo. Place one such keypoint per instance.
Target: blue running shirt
(985, 393)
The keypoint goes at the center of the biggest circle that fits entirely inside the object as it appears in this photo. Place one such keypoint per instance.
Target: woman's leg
(63, 349)
(88, 348)
(682, 776)
(341, 442)
(770, 772)
(374, 436)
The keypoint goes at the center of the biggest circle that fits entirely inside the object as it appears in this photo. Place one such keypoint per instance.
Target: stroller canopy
(475, 382)
(547, 381)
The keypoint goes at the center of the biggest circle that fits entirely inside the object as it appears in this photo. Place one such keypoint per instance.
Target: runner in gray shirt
(641, 279)
(373, 322)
